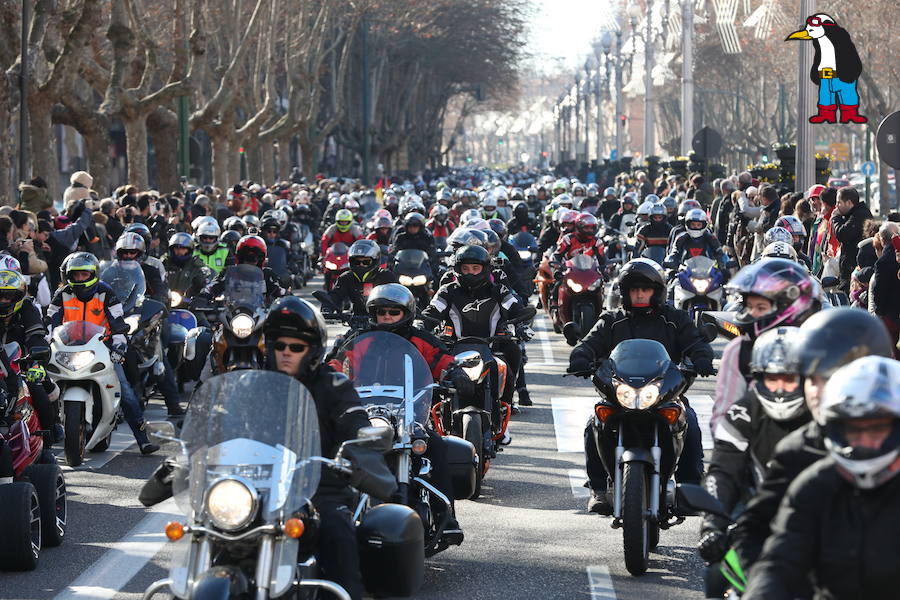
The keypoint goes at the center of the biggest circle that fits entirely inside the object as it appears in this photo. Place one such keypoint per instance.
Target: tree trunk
(253, 156)
(165, 143)
(306, 156)
(220, 151)
(96, 142)
(267, 160)
(8, 194)
(884, 190)
(234, 163)
(284, 158)
(136, 147)
(44, 161)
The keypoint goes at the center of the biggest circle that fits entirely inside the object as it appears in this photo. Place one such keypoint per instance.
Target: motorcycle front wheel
(75, 433)
(636, 524)
(584, 314)
(474, 434)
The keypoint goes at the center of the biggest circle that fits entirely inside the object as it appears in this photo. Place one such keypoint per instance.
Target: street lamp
(619, 108)
(603, 46)
(577, 116)
(590, 65)
(634, 11)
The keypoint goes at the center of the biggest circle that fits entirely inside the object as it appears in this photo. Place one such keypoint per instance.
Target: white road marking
(124, 559)
(601, 585)
(543, 336)
(703, 405)
(122, 440)
(577, 478)
(569, 417)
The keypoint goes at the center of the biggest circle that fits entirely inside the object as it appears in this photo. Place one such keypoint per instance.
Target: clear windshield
(259, 425)
(126, 279)
(77, 333)
(583, 262)
(339, 249)
(244, 286)
(411, 259)
(388, 371)
(700, 266)
(639, 359)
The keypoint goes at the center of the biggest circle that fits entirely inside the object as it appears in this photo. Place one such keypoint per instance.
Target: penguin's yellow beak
(799, 35)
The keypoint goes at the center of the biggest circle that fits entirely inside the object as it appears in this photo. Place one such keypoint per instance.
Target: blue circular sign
(867, 168)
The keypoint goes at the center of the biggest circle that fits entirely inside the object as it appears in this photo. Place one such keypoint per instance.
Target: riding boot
(849, 114)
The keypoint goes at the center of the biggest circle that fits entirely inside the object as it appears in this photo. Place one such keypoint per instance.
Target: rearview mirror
(572, 332)
(40, 354)
(163, 430)
(709, 332)
(375, 438)
(467, 359)
(695, 498)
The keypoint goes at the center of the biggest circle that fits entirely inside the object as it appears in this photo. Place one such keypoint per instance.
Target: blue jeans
(834, 91)
(134, 414)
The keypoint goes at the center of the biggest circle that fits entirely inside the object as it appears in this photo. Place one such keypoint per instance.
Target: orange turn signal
(419, 447)
(670, 414)
(603, 412)
(174, 531)
(293, 528)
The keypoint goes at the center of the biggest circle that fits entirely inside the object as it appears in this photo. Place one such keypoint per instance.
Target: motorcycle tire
(474, 434)
(76, 435)
(635, 522)
(20, 526)
(584, 314)
(50, 485)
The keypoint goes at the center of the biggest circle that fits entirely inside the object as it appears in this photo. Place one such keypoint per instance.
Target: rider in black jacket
(645, 316)
(415, 236)
(355, 284)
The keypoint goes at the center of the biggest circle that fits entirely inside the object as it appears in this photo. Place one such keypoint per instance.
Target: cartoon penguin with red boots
(835, 69)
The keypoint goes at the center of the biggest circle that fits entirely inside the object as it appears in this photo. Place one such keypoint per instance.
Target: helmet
(520, 211)
(196, 223)
(867, 388)
(516, 194)
(629, 198)
(696, 222)
(610, 191)
(383, 223)
(363, 257)
(687, 205)
(230, 238)
(208, 236)
(586, 226)
(270, 224)
(343, 219)
(9, 263)
(565, 200)
(251, 221)
(779, 250)
(670, 203)
(778, 234)
(251, 249)
(130, 242)
(294, 317)
(490, 200)
(560, 186)
(531, 193)
(643, 211)
(472, 255)
(774, 353)
(82, 261)
(439, 213)
(352, 205)
(835, 337)
(794, 294)
(279, 216)
(499, 227)
(444, 195)
(493, 242)
(181, 240)
(467, 216)
(236, 224)
(578, 189)
(463, 236)
(658, 210)
(651, 198)
(13, 289)
(284, 204)
(642, 272)
(567, 220)
(414, 219)
(478, 223)
(391, 295)
(793, 225)
(593, 190)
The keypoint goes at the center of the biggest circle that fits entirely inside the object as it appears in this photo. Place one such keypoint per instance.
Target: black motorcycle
(413, 270)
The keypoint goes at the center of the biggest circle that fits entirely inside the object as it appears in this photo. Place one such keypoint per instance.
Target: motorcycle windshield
(411, 260)
(388, 371)
(639, 360)
(244, 286)
(261, 426)
(339, 249)
(126, 279)
(77, 333)
(583, 262)
(523, 241)
(700, 266)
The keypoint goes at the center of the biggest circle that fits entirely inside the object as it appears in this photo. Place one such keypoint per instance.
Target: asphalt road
(528, 536)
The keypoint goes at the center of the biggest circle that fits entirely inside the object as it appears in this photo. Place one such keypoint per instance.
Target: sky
(565, 29)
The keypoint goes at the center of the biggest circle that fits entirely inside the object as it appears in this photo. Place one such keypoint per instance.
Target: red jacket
(569, 245)
(333, 236)
(440, 230)
(436, 357)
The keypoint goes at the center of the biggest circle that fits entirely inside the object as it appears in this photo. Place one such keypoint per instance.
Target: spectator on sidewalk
(884, 286)
(852, 214)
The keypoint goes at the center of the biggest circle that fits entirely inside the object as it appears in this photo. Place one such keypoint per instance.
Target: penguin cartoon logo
(835, 69)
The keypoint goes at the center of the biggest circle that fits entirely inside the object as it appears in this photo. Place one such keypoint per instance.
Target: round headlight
(380, 422)
(242, 325)
(525, 254)
(330, 265)
(626, 395)
(648, 395)
(231, 504)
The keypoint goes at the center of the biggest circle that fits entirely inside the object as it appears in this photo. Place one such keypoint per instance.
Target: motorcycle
(413, 270)
(336, 261)
(33, 506)
(698, 287)
(544, 281)
(639, 429)
(580, 293)
(526, 245)
(400, 398)
(247, 467)
(655, 253)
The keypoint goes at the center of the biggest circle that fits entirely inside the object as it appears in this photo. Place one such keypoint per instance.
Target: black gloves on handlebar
(465, 387)
(579, 365)
(713, 546)
(705, 369)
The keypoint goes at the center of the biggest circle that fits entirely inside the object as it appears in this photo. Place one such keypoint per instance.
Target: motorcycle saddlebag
(391, 550)
(461, 458)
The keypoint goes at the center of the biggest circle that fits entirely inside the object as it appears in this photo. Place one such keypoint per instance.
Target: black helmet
(363, 257)
(230, 237)
(774, 353)
(291, 316)
(414, 218)
(180, 239)
(835, 337)
(642, 272)
(82, 261)
(499, 228)
(472, 255)
(391, 295)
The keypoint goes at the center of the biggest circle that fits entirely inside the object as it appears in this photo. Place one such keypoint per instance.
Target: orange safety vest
(92, 311)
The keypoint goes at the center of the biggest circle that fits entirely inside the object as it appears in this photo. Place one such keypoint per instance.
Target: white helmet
(778, 234)
(210, 231)
(195, 224)
(467, 216)
(779, 250)
(644, 209)
(696, 222)
(9, 263)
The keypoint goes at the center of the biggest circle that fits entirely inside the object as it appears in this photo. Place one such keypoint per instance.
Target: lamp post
(619, 108)
(634, 11)
(590, 65)
(687, 75)
(577, 92)
(604, 46)
(806, 162)
(24, 170)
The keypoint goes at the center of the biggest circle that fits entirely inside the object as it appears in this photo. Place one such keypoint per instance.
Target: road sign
(867, 168)
(887, 140)
(613, 155)
(707, 142)
(839, 150)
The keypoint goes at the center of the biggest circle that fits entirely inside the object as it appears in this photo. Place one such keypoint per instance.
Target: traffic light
(468, 159)
(500, 142)
(241, 150)
(623, 118)
(545, 154)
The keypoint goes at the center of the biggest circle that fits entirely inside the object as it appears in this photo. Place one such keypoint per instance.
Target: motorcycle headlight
(175, 298)
(419, 280)
(380, 422)
(231, 504)
(701, 285)
(626, 395)
(330, 265)
(524, 254)
(474, 372)
(647, 396)
(75, 361)
(242, 326)
(405, 280)
(133, 322)
(575, 286)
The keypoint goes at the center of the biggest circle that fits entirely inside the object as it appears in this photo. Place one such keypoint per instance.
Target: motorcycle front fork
(656, 453)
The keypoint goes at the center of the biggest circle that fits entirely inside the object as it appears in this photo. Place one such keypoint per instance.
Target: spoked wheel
(472, 433)
(636, 523)
(50, 485)
(20, 526)
(75, 433)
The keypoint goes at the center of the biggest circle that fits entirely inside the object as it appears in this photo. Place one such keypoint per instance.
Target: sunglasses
(295, 348)
(394, 312)
(817, 22)
(361, 262)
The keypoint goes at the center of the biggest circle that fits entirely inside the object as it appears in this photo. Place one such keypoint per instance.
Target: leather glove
(713, 545)
(705, 369)
(578, 364)
(117, 354)
(465, 387)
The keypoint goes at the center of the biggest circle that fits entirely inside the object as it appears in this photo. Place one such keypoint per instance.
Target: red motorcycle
(33, 506)
(336, 261)
(580, 293)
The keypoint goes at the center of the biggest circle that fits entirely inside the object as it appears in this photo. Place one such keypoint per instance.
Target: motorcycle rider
(414, 236)
(440, 225)
(185, 272)
(683, 209)
(644, 315)
(838, 523)
(628, 204)
(278, 249)
(356, 284)
(521, 219)
(609, 205)
(745, 438)
(583, 241)
(251, 250)
(798, 236)
(344, 230)
(696, 240)
(210, 250)
(84, 297)
(656, 232)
